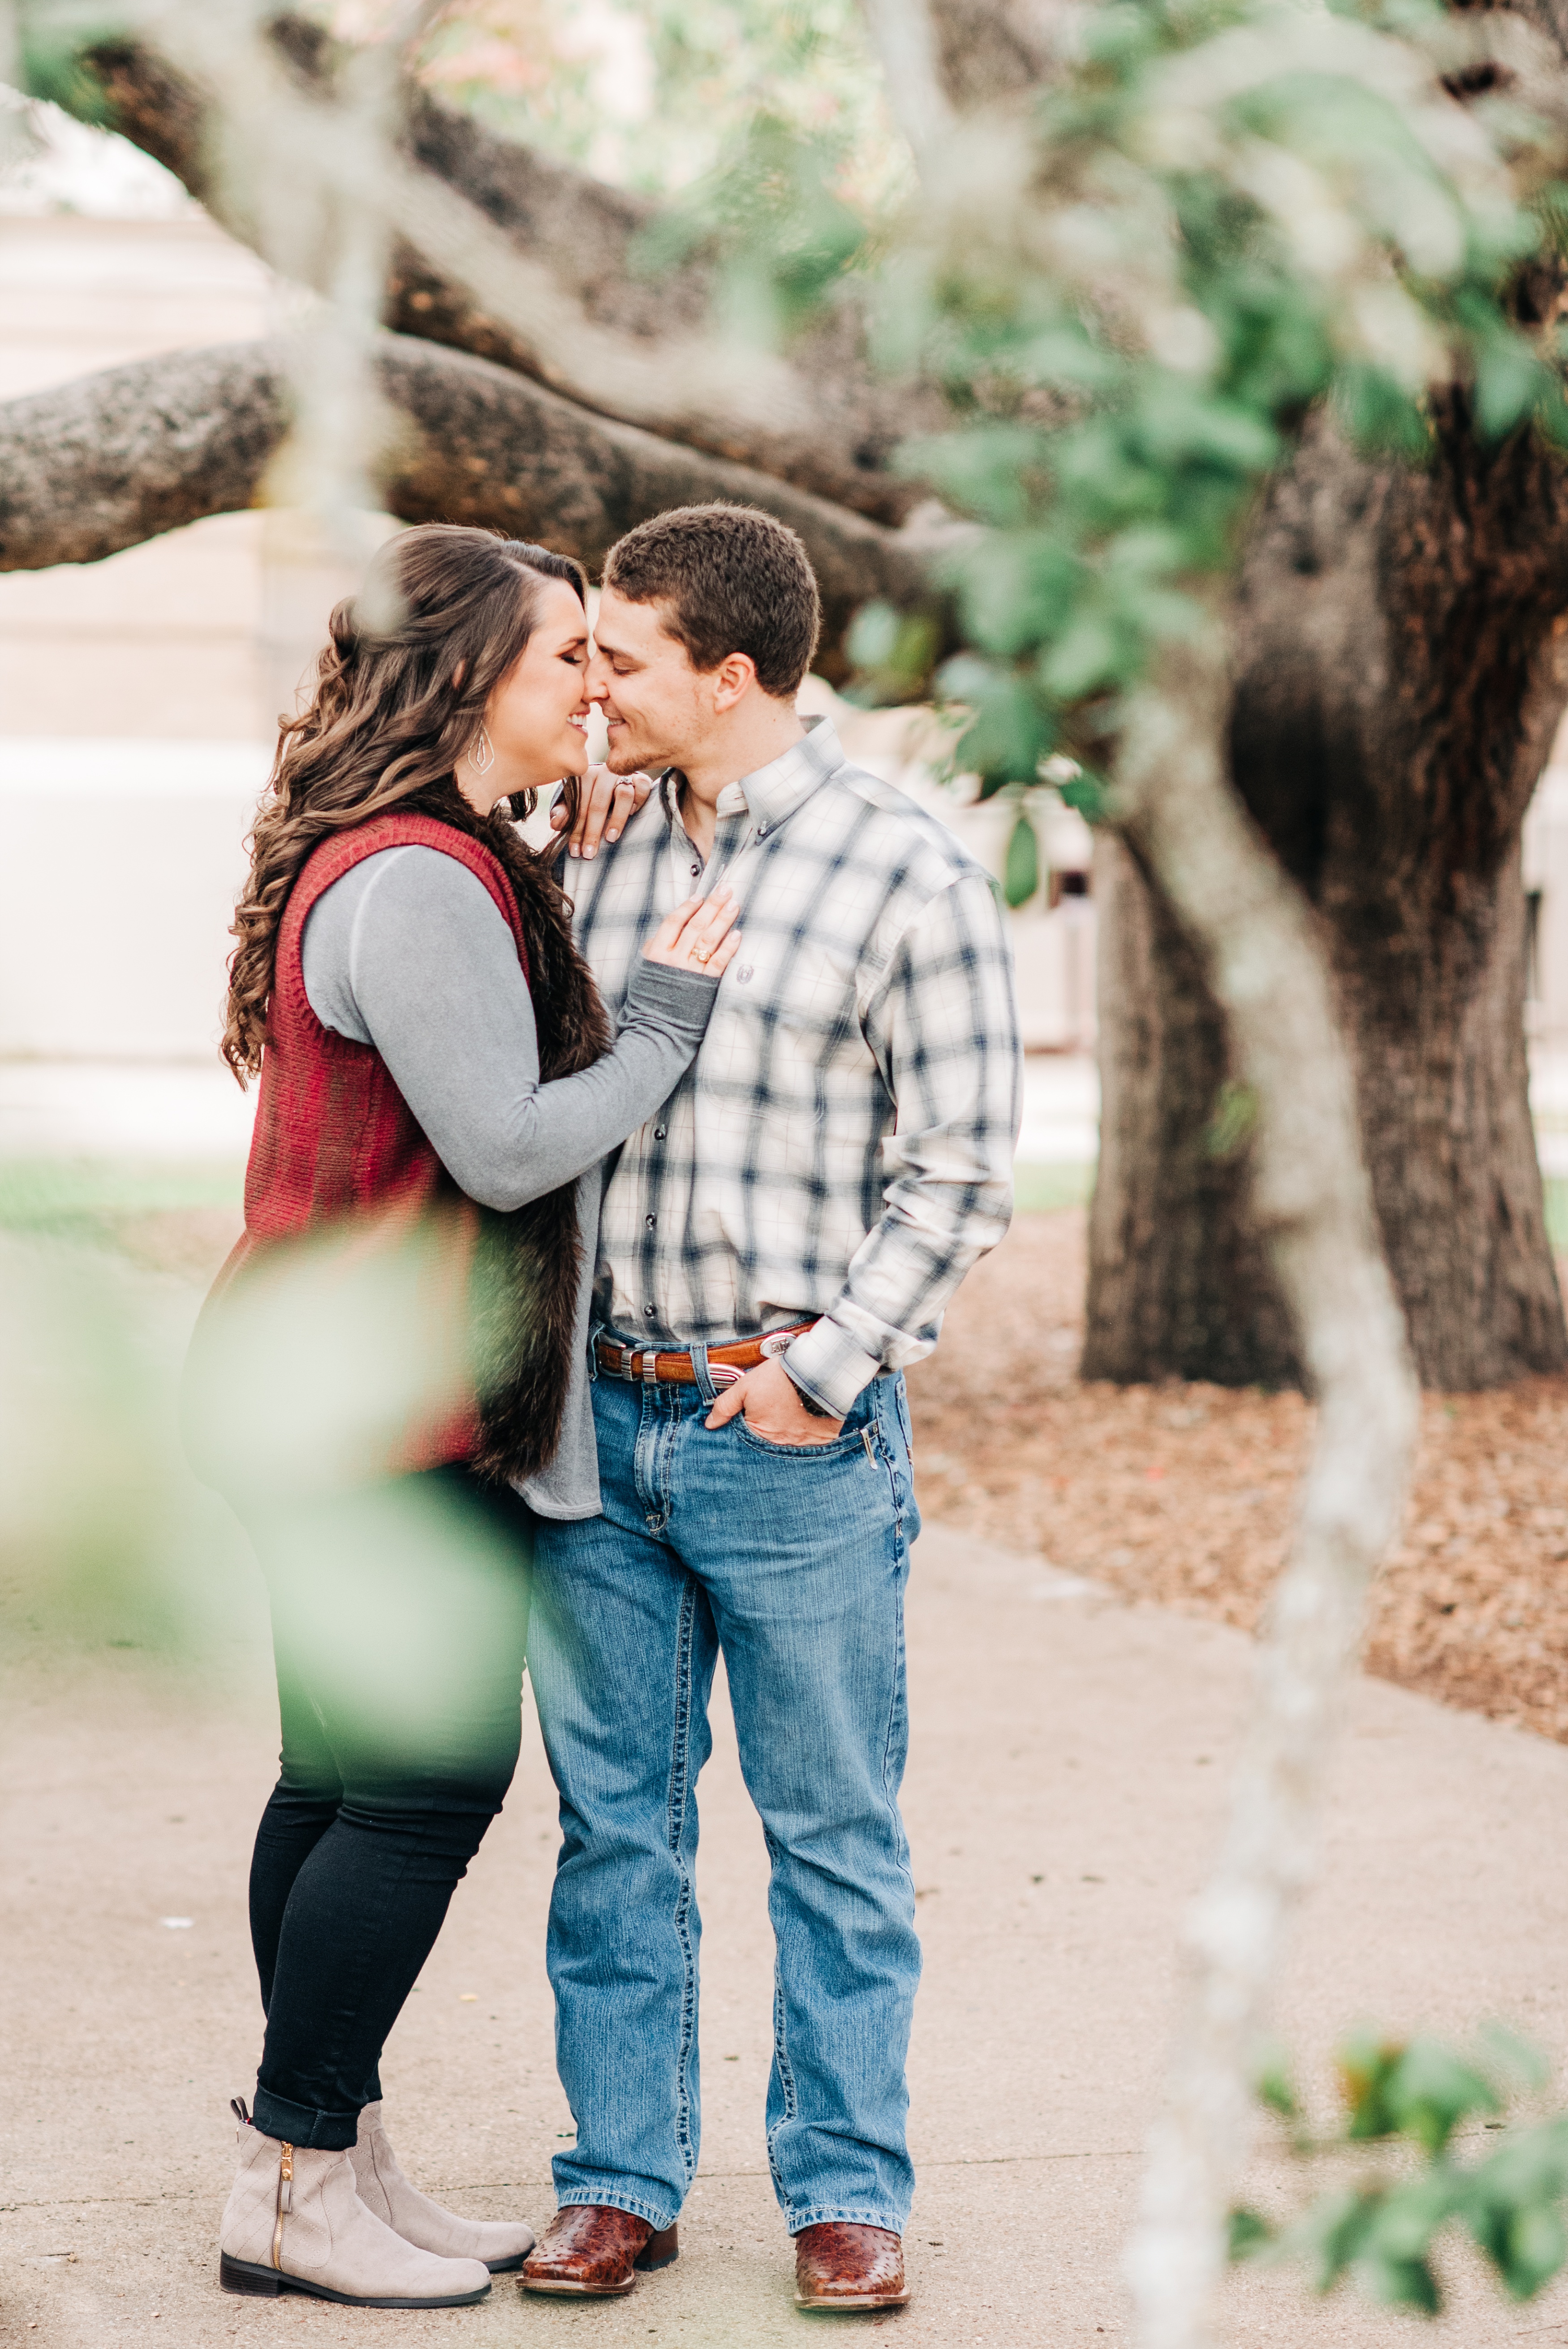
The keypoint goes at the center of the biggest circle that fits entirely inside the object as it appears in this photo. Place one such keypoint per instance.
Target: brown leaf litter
(1180, 1495)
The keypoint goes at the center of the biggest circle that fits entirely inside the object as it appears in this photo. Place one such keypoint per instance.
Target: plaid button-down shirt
(841, 1147)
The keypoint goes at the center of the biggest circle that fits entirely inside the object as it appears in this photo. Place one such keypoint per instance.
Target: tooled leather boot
(591, 2250)
(294, 2223)
(843, 2266)
(502, 2244)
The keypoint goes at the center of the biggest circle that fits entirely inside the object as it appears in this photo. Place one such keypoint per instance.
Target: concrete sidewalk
(1068, 1772)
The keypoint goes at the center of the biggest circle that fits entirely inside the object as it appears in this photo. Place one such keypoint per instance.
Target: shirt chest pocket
(805, 998)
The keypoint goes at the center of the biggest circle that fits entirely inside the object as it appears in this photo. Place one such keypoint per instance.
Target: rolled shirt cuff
(827, 1364)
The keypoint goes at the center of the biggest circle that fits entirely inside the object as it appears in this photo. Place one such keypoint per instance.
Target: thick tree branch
(101, 464)
(521, 260)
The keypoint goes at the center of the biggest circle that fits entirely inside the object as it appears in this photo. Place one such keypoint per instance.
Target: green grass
(79, 1196)
(1556, 1189)
(1037, 1190)
(44, 1195)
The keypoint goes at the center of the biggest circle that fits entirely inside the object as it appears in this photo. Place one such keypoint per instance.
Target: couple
(600, 1214)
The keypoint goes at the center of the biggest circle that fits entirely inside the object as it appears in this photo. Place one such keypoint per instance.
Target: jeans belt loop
(700, 1372)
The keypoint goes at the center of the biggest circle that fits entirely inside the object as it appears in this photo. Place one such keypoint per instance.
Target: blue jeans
(793, 1562)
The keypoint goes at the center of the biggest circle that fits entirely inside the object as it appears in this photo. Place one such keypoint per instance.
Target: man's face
(657, 708)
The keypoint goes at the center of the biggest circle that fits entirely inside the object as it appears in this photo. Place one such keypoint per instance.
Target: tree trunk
(1399, 679)
(1180, 1283)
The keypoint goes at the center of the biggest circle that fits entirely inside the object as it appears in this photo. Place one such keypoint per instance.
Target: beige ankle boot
(295, 2223)
(500, 2243)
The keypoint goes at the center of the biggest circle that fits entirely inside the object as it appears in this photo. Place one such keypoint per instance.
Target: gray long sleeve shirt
(409, 952)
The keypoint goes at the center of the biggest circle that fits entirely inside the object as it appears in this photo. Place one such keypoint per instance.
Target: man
(776, 1246)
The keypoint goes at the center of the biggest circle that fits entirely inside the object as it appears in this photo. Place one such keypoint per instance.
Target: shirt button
(762, 830)
(650, 1221)
(697, 872)
(648, 1312)
(743, 974)
(660, 1132)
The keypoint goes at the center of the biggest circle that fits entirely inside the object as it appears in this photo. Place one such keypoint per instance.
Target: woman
(390, 1373)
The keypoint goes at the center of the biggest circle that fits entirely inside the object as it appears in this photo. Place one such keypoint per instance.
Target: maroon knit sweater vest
(334, 1142)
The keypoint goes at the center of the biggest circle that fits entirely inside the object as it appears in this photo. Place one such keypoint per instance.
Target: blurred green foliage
(49, 45)
(772, 214)
(669, 95)
(1230, 213)
(1415, 2099)
(106, 1538)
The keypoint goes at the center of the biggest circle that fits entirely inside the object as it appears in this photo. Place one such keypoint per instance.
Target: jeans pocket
(838, 1447)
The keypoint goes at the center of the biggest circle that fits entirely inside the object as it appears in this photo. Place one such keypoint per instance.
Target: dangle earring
(480, 752)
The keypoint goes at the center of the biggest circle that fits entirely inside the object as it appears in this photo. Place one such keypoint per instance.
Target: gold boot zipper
(285, 2200)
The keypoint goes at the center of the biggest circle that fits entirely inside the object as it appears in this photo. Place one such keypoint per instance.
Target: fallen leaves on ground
(1182, 1494)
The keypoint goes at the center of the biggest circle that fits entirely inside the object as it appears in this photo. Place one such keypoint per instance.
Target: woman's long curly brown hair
(401, 688)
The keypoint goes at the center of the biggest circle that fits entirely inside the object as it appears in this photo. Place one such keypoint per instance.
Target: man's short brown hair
(732, 579)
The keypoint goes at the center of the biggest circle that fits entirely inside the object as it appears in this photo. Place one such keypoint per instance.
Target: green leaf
(1430, 2091)
(1400, 2283)
(1365, 2065)
(1508, 379)
(1021, 868)
(1271, 2085)
(1248, 2234)
(1065, 358)
(1092, 654)
(1510, 2205)
(1016, 588)
(892, 652)
(1178, 424)
(1086, 793)
(1378, 413)
(872, 637)
(995, 471)
(1534, 2247)
(1413, 2212)
(1331, 2232)
(52, 66)
(1008, 733)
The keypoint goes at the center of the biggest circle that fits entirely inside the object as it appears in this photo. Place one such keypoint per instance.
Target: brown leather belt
(639, 1364)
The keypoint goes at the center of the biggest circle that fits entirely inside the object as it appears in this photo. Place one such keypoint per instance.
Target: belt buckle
(778, 1341)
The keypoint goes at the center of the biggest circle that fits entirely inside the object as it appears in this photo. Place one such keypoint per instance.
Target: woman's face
(537, 713)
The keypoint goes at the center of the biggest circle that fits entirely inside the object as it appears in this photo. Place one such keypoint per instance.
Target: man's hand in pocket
(774, 1410)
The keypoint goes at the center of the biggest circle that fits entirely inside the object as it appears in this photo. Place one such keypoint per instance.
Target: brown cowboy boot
(842, 2266)
(590, 2250)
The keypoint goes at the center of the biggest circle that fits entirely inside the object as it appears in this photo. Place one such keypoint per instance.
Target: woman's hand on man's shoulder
(605, 805)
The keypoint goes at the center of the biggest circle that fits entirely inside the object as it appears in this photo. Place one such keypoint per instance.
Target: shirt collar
(777, 790)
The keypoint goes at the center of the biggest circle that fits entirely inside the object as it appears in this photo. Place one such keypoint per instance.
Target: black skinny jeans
(399, 1621)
